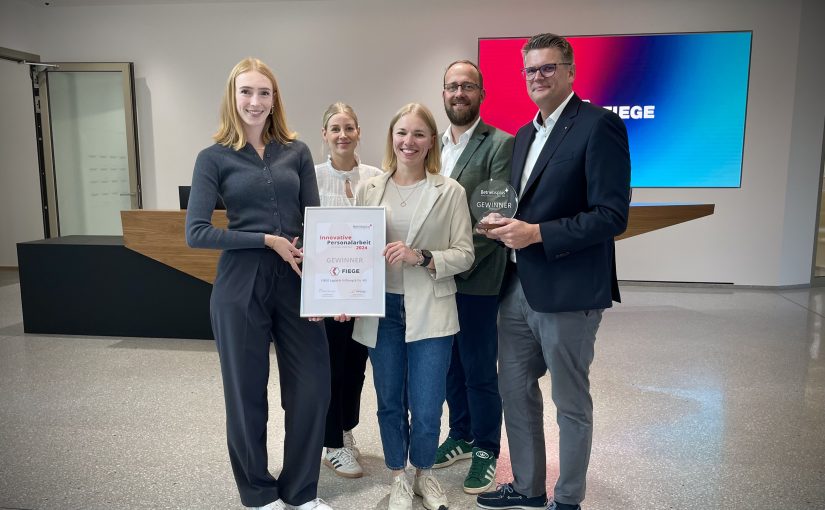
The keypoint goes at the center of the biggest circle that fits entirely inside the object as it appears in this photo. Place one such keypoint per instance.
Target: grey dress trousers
(256, 299)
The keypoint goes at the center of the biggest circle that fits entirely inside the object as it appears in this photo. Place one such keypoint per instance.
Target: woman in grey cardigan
(266, 178)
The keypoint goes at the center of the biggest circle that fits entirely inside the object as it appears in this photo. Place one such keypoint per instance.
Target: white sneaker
(430, 490)
(349, 442)
(315, 504)
(343, 463)
(401, 495)
(275, 505)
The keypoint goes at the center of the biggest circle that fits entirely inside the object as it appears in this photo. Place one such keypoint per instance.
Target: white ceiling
(77, 3)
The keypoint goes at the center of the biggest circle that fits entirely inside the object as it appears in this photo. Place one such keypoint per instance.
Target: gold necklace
(409, 195)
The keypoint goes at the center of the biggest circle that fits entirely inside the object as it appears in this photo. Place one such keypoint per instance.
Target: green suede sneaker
(482, 474)
(452, 450)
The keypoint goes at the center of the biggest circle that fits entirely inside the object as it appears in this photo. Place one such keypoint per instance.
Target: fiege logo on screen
(636, 112)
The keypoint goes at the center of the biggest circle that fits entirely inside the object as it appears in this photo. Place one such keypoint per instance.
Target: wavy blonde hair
(231, 133)
(432, 163)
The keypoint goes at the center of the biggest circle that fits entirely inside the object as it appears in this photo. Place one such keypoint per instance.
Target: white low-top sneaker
(430, 490)
(315, 504)
(349, 442)
(343, 463)
(275, 505)
(401, 495)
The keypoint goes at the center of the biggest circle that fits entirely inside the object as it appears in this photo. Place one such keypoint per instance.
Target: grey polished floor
(705, 398)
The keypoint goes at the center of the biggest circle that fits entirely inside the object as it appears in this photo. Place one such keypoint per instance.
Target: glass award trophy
(493, 197)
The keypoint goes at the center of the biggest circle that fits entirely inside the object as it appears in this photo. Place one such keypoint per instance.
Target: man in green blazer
(473, 152)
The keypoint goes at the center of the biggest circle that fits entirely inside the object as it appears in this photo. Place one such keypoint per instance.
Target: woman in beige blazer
(429, 240)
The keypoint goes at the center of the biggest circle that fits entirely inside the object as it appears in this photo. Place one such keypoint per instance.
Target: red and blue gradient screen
(682, 97)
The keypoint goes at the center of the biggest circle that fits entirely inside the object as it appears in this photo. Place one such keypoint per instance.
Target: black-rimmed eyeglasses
(547, 70)
(452, 88)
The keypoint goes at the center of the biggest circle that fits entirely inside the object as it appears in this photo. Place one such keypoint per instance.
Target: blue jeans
(410, 383)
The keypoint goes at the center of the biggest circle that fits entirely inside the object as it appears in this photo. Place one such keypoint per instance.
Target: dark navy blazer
(579, 194)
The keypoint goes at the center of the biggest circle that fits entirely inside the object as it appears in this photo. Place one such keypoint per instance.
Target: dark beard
(462, 119)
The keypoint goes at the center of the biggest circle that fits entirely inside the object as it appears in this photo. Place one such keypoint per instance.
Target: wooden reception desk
(649, 217)
(159, 235)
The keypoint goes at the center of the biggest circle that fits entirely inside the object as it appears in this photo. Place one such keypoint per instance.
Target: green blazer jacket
(487, 156)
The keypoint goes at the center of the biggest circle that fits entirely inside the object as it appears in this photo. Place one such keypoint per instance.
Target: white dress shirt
(450, 152)
(542, 134)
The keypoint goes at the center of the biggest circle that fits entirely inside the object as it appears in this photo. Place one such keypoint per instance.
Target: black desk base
(94, 285)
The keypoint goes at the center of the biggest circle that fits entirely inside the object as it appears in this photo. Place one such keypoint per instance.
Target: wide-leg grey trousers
(255, 301)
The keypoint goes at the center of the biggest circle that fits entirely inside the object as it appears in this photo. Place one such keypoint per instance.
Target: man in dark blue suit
(571, 168)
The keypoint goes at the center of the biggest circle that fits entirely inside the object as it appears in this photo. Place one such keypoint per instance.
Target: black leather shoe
(506, 498)
(563, 506)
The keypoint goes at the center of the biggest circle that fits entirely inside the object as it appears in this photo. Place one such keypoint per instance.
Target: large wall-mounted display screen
(682, 96)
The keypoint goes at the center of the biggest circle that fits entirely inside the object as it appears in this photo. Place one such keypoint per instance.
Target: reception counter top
(159, 235)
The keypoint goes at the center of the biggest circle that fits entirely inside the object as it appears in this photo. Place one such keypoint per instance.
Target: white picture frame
(343, 269)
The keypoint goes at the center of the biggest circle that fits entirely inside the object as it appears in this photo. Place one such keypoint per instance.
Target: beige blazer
(440, 224)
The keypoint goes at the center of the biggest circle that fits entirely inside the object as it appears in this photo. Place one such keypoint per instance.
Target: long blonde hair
(432, 163)
(231, 133)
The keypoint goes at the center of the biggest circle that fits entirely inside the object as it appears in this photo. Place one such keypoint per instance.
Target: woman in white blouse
(339, 177)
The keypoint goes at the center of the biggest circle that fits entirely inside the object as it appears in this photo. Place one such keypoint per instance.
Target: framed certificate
(343, 269)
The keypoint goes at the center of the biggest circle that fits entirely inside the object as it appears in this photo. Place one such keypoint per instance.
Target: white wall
(20, 213)
(20, 216)
(378, 55)
(806, 149)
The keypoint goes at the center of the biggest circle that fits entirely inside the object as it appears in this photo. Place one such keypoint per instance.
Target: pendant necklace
(409, 195)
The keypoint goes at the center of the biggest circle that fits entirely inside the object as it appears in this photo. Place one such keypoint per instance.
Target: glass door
(90, 146)
(818, 270)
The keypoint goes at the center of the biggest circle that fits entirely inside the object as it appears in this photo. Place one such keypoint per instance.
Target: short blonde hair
(231, 133)
(432, 163)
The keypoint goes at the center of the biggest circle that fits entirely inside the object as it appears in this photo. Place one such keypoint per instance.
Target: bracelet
(419, 255)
